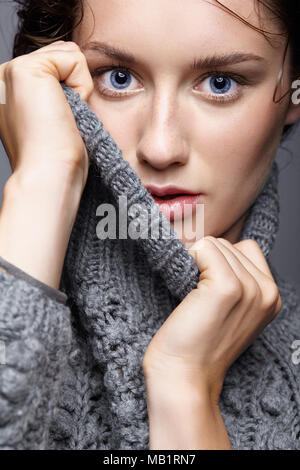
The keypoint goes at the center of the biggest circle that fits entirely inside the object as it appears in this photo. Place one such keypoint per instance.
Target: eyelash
(242, 81)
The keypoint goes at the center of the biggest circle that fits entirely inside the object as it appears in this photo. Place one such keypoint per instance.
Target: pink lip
(165, 190)
(178, 207)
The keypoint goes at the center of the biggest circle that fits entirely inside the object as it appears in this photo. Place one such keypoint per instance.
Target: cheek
(241, 139)
(238, 148)
(121, 123)
(258, 135)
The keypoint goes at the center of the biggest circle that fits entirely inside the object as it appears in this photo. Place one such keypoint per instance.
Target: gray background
(285, 255)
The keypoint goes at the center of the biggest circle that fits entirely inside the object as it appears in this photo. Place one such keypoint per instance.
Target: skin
(167, 132)
(168, 129)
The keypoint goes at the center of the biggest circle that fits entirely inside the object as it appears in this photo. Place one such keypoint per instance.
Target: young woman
(198, 94)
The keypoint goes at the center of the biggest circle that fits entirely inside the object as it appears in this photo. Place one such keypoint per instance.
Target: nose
(162, 142)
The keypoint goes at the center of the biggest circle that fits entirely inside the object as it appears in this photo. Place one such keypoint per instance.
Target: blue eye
(220, 87)
(120, 79)
(220, 84)
(116, 81)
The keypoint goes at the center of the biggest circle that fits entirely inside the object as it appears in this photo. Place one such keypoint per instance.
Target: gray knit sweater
(71, 374)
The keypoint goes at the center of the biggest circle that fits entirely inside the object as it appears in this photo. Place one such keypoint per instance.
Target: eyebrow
(198, 63)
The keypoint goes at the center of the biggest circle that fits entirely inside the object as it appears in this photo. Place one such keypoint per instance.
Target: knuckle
(249, 244)
(231, 290)
(271, 296)
(13, 68)
(279, 304)
(74, 161)
(206, 242)
(3, 67)
(254, 243)
(277, 307)
(81, 57)
(199, 245)
(71, 45)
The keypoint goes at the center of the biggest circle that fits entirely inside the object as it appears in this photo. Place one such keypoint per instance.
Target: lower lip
(178, 207)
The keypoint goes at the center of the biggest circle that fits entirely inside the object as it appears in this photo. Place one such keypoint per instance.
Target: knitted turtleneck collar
(117, 175)
(121, 291)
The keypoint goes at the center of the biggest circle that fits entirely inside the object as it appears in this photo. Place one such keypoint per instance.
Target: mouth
(175, 202)
(178, 206)
(169, 191)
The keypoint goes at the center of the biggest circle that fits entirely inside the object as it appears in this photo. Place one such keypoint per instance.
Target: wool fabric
(72, 376)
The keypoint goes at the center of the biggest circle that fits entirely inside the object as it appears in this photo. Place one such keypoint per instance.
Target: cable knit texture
(73, 378)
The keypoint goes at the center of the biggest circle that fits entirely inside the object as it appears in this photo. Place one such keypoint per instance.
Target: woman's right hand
(47, 155)
(235, 299)
(37, 126)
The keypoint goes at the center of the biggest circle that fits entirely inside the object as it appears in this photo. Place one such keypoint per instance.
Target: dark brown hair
(41, 22)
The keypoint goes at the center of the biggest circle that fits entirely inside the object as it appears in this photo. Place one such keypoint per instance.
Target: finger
(235, 262)
(257, 273)
(213, 265)
(54, 46)
(71, 68)
(250, 254)
(252, 250)
(59, 45)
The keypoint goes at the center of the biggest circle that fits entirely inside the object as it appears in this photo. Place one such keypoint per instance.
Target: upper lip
(165, 190)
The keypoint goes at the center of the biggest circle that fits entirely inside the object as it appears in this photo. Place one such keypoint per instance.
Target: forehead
(173, 27)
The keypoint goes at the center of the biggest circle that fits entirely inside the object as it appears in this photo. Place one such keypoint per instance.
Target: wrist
(43, 178)
(184, 416)
(36, 220)
(50, 193)
(175, 380)
(172, 391)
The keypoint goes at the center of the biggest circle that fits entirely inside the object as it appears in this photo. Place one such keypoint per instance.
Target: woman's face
(188, 126)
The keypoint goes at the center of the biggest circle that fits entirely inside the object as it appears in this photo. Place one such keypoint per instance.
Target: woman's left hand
(235, 299)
